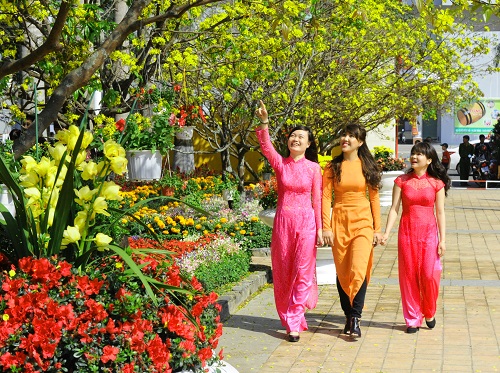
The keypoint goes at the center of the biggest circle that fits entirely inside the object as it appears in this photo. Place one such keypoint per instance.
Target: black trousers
(464, 170)
(358, 303)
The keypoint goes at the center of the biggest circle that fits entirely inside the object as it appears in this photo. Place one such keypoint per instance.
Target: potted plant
(390, 166)
(385, 160)
(169, 183)
(146, 140)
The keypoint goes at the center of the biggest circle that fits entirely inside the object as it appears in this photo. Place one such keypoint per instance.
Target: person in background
(445, 159)
(352, 227)
(297, 224)
(428, 139)
(482, 149)
(421, 235)
(465, 151)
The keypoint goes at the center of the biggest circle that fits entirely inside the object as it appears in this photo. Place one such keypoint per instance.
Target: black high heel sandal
(347, 326)
(355, 329)
(431, 324)
(293, 338)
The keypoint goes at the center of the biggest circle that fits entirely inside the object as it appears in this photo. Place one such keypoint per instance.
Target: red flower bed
(55, 319)
(177, 247)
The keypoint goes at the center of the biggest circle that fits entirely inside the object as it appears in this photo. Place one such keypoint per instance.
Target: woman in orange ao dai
(353, 226)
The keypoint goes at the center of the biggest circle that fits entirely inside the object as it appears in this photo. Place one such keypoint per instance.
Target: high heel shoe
(412, 329)
(431, 324)
(293, 337)
(355, 329)
(347, 326)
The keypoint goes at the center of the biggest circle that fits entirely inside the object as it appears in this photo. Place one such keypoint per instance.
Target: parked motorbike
(402, 137)
(480, 170)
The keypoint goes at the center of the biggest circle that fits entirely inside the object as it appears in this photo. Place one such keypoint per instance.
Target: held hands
(261, 113)
(377, 238)
(384, 238)
(319, 239)
(328, 238)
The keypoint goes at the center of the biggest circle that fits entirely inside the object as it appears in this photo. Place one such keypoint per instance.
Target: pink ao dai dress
(293, 243)
(418, 259)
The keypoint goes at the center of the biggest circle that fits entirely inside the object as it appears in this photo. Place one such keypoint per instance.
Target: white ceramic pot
(185, 133)
(267, 217)
(227, 194)
(7, 200)
(385, 192)
(144, 165)
(388, 178)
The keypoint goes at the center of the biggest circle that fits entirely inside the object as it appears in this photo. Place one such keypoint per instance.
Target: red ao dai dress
(293, 244)
(418, 259)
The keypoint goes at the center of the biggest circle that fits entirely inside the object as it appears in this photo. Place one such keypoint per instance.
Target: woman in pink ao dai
(297, 224)
(422, 234)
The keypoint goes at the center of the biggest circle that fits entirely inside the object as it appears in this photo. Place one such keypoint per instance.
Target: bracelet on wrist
(266, 122)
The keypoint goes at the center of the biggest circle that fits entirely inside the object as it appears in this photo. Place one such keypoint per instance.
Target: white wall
(384, 135)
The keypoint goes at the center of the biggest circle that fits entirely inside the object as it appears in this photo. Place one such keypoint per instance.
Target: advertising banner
(479, 117)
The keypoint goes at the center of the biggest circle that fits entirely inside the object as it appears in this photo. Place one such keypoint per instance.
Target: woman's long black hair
(371, 171)
(436, 168)
(312, 150)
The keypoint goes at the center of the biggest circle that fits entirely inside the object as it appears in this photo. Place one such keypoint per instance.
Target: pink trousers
(419, 278)
(293, 255)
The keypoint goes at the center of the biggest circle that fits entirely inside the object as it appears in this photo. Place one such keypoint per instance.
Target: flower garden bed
(95, 279)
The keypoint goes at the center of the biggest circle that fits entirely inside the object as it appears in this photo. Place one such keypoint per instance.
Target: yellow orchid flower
(112, 149)
(111, 191)
(100, 206)
(102, 241)
(28, 163)
(70, 235)
(81, 220)
(57, 151)
(29, 179)
(89, 170)
(43, 166)
(119, 165)
(84, 195)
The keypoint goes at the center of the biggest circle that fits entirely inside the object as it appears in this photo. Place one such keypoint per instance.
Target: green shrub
(261, 236)
(230, 268)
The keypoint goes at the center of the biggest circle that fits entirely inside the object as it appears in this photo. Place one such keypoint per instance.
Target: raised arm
(262, 132)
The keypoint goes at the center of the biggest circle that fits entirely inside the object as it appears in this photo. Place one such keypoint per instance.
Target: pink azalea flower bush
(54, 319)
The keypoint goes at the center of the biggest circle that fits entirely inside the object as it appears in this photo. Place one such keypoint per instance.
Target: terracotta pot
(168, 191)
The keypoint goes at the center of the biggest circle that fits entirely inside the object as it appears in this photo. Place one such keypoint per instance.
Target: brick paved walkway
(466, 337)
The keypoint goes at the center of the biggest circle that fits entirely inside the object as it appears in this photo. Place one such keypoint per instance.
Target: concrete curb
(230, 301)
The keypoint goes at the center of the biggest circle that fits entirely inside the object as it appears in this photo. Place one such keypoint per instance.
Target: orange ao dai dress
(354, 219)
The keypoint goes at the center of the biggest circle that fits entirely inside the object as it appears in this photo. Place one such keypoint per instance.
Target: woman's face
(298, 142)
(348, 142)
(419, 161)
